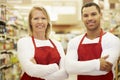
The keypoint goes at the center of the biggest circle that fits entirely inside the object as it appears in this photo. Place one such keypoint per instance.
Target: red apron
(89, 52)
(43, 55)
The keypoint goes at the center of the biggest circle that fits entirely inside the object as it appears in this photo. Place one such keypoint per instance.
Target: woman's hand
(33, 60)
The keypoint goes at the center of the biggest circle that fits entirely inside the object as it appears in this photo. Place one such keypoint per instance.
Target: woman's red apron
(89, 52)
(43, 55)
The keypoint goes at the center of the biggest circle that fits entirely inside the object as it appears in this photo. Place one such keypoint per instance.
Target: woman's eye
(35, 18)
(85, 15)
(43, 18)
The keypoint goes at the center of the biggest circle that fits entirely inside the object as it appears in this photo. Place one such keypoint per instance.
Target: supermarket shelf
(6, 66)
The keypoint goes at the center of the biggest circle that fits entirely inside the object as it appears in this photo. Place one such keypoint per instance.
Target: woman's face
(39, 21)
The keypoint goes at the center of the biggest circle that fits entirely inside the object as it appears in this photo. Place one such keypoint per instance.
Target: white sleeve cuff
(97, 64)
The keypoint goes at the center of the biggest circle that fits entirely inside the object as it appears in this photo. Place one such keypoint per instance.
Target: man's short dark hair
(89, 4)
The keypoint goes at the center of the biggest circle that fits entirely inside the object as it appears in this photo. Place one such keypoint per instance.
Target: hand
(33, 60)
(105, 65)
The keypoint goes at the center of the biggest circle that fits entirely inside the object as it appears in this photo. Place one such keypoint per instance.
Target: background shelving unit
(116, 31)
(9, 68)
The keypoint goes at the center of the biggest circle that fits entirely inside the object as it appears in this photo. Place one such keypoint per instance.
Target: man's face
(91, 18)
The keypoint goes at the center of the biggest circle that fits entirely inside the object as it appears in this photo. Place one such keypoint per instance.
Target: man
(92, 56)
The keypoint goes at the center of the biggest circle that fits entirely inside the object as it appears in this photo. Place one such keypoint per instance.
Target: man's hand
(33, 60)
(105, 65)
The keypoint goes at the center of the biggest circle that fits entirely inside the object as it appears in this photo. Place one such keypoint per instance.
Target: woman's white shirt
(26, 49)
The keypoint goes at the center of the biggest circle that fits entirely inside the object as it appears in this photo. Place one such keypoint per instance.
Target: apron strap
(33, 42)
(101, 33)
(83, 38)
(52, 43)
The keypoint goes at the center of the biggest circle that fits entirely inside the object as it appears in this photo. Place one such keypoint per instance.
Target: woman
(40, 57)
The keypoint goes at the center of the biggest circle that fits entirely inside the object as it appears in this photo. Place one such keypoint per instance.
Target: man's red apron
(43, 55)
(89, 52)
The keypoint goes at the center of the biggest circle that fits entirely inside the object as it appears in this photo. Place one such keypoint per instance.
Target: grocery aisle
(66, 25)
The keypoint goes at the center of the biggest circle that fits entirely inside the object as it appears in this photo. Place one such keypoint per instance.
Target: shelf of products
(8, 61)
(117, 69)
(111, 22)
(9, 67)
(116, 31)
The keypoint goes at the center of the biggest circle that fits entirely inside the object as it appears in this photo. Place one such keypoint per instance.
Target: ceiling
(23, 6)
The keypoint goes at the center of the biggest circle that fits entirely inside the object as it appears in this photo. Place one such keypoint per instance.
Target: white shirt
(110, 46)
(48, 72)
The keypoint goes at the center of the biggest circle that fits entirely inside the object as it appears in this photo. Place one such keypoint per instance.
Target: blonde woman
(41, 58)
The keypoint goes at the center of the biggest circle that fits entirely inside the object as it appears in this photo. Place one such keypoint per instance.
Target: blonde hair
(49, 26)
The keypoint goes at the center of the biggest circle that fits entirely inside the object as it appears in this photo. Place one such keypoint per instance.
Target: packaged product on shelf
(2, 27)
